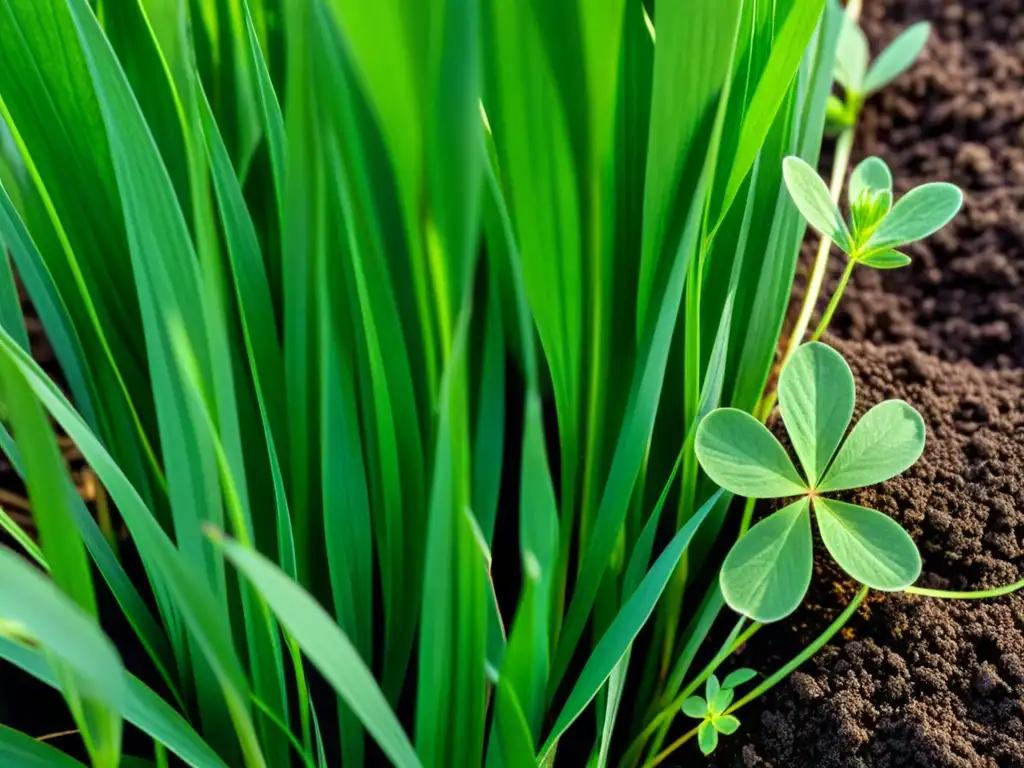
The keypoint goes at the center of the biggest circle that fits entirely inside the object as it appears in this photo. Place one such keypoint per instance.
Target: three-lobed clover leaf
(877, 226)
(859, 80)
(766, 574)
(711, 708)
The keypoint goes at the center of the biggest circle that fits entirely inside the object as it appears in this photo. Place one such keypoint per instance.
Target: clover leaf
(766, 574)
(877, 226)
(711, 708)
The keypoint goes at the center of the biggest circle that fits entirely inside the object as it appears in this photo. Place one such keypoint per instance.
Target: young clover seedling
(860, 81)
(711, 708)
(768, 571)
(877, 227)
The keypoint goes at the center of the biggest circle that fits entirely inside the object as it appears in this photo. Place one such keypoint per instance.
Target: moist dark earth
(918, 681)
(915, 681)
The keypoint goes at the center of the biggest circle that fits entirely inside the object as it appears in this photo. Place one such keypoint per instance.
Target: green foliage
(877, 226)
(768, 571)
(316, 275)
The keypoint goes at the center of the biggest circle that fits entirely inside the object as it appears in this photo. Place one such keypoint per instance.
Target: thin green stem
(748, 516)
(946, 594)
(841, 161)
(660, 758)
(269, 713)
(781, 674)
(836, 296)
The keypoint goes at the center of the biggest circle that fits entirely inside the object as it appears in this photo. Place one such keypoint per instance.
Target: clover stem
(781, 674)
(660, 758)
(834, 302)
(784, 671)
(1008, 589)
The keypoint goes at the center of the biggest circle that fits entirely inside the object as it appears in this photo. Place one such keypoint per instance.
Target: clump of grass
(319, 281)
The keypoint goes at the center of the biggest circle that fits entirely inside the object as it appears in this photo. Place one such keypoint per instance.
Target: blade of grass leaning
(394, 418)
(17, 748)
(11, 317)
(168, 284)
(141, 707)
(630, 620)
(85, 661)
(128, 598)
(69, 566)
(259, 328)
(533, 135)
(50, 308)
(791, 37)
(326, 646)
(191, 596)
(641, 411)
(691, 59)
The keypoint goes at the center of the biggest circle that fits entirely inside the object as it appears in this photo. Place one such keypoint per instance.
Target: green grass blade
(625, 627)
(791, 36)
(450, 691)
(189, 593)
(69, 566)
(47, 302)
(641, 411)
(691, 59)
(141, 707)
(131, 602)
(17, 748)
(489, 432)
(393, 422)
(86, 662)
(327, 647)
(346, 500)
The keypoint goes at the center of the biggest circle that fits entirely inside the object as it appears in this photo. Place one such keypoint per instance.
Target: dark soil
(918, 681)
(958, 116)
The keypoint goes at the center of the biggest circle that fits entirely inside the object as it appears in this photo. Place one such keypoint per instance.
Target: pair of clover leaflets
(711, 708)
(877, 227)
(766, 574)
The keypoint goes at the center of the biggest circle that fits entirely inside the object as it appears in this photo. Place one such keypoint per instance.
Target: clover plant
(861, 81)
(712, 708)
(877, 226)
(768, 571)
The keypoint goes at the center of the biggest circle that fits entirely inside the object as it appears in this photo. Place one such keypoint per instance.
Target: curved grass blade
(190, 596)
(326, 646)
(625, 627)
(141, 707)
(20, 749)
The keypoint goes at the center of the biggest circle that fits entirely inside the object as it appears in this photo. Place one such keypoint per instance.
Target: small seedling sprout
(859, 80)
(711, 708)
(877, 227)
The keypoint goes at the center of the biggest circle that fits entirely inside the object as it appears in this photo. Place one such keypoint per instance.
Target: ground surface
(923, 682)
